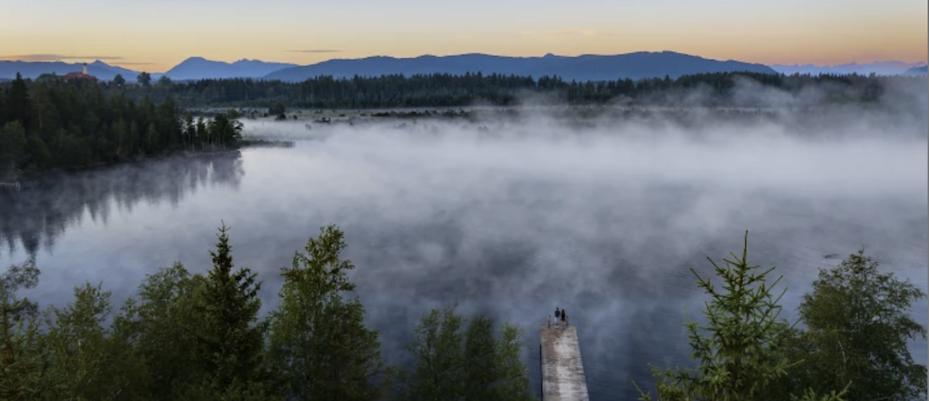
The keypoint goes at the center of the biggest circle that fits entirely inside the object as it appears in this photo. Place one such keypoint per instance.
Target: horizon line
(130, 63)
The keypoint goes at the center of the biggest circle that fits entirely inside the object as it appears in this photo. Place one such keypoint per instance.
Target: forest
(52, 123)
(445, 90)
(200, 336)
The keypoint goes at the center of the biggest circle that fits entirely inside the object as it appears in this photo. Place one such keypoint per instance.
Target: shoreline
(246, 143)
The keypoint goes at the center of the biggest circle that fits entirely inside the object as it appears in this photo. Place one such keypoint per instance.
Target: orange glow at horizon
(792, 32)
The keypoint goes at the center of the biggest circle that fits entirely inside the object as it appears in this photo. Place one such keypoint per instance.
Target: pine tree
(229, 338)
(456, 358)
(739, 357)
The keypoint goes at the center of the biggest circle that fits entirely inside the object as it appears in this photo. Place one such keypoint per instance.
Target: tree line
(52, 123)
(200, 336)
(446, 90)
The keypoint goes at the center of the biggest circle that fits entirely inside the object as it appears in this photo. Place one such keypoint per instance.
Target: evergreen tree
(739, 359)
(17, 103)
(12, 146)
(229, 337)
(457, 358)
(145, 79)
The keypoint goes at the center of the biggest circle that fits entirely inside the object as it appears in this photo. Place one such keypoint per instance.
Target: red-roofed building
(81, 75)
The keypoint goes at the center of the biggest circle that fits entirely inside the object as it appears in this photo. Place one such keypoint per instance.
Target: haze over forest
(403, 198)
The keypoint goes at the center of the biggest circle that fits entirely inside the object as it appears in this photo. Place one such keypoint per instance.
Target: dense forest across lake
(56, 123)
(444, 90)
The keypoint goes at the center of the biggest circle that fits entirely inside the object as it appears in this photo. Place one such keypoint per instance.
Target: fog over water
(511, 217)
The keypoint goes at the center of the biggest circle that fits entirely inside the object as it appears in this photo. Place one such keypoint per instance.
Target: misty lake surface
(511, 226)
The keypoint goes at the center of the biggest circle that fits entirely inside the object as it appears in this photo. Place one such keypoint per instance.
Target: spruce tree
(228, 337)
(737, 350)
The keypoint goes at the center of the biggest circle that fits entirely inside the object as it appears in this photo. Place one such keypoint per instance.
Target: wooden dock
(562, 368)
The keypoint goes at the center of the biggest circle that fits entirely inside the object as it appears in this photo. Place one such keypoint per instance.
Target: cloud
(314, 51)
(54, 57)
(568, 32)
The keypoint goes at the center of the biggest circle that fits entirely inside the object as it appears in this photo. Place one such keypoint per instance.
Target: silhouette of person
(557, 314)
(564, 318)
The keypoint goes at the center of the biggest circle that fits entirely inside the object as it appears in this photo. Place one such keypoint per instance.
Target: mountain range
(879, 68)
(32, 70)
(924, 70)
(581, 68)
(195, 68)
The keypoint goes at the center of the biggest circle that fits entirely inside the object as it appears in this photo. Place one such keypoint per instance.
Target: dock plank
(562, 367)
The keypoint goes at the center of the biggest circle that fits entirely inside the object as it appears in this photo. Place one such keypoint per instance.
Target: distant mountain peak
(200, 68)
(588, 67)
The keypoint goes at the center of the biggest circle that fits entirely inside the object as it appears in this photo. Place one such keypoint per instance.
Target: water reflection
(44, 208)
(514, 245)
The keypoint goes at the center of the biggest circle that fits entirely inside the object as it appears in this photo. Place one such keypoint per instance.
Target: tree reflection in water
(45, 207)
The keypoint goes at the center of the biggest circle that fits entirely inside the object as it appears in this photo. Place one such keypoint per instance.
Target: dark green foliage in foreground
(25, 361)
(854, 345)
(52, 123)
(318, 344)
(461, 359)
(445, 90)
(857, 331)
(738, 349)
(227, 338)
(199, 337)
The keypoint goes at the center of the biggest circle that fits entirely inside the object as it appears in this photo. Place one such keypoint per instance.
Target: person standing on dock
(564, 319)
(557, 315)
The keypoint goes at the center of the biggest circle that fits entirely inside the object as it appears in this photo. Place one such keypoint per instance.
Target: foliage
(12, 145)
(144, 79)
(161, 325)
(198, 336)
(446, 90)
(228, 337)
(94, 362)
(738, 359)
(857, 331)
(25, 368)
(55, 123)
(319, 344)
(459, 359)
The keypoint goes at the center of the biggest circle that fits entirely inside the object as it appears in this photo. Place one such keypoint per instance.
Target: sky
(154, 36)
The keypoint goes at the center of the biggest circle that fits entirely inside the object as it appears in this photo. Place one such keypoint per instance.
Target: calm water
(511, 227)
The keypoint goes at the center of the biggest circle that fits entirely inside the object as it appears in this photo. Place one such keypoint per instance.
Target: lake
(507, 218)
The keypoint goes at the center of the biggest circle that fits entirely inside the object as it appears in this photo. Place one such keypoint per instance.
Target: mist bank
(512, 211)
